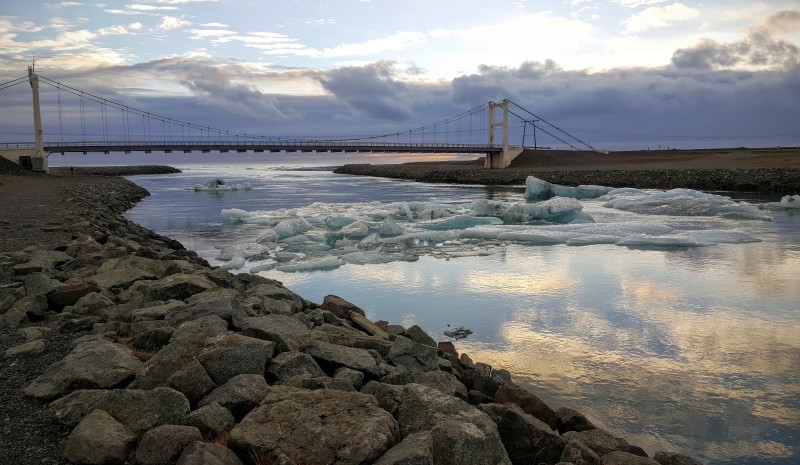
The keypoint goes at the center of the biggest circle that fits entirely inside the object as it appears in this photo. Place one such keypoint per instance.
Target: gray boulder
(332, 356)
(90, 303)
(9, 296)
(34, 305)
(340, 307)
(624, 458)
(193, 381)
(38, 261)
(177, 286)
(138, 410)
(526, 439)
(229, 309)
(204, 453)
(70, 292)
(354, 377)
(599, 440)
(320, 382)
(90, 365)
(568, 419)
(416, 357)
(326, 426)
(417, 334)
(157, 312)
(388, 396)
(29, 348)
(672, 458)
(577, 453)
(231, 354)
(442, 382)
(123, 271)
(286, 332)
(416, 449)
(532, 405)
(99, 439)
(163, 445)
(40, 284)
(287, 365)
(213, 420)
(152, 340)
(240, 395)
(270, 292)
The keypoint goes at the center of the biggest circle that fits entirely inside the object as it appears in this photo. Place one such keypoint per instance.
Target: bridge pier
(503, 158)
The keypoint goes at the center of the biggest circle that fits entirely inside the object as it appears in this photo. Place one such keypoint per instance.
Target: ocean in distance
(694, 349)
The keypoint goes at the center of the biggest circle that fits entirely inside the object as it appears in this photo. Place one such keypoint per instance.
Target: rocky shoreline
(120, 346)
(779, 180)
(129, 170)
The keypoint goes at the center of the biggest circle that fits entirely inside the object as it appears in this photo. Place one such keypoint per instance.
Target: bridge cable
(551, 125)
(13, 82)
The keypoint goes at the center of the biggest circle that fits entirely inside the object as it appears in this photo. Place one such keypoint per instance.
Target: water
(690, 349)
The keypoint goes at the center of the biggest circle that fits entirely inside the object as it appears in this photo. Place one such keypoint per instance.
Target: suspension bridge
(79, 121)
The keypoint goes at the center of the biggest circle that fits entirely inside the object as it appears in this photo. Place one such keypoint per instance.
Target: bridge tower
(502, 159)
(39, 159)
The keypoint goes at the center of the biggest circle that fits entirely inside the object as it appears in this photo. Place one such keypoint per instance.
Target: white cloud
(171, 22)
(660, 17)
(120, 30)
(214, 25)
(140, 7)
(64, 4)
(637, 3)
(210, 33)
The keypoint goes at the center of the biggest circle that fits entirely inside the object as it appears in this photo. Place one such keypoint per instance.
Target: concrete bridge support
(502, 159)
(36, 156)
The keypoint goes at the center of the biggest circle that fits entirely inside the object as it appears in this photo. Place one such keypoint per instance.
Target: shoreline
(178, 333)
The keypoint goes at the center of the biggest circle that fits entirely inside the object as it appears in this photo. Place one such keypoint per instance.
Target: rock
(269, 305)
(287, 365)
(448, 348)
(157, 312)
(600, 441)
(240, 395)
(672, 458)
(213, 420)
(229, 309)
(203, 453)
(360, 321)
(152, 340)
(40, 284)
(90, 303)
(526, 439)
(624, 458)
(177, 286)
(138, 327)
(399, 376)
(388, 396)
(530, 404)
(416, 357)
(274, 291)
(395, 330)
(577, 453)
(70, 292)
(163, 445)
(340, 307)
(90, 365)
(31, 333)
(477, 398)
(286, 332)
(321, 382)
(417, 334)
(138, 410)
(462, 434)
(416, 449)
(29, 348)
(442, 382)
(213, 295)
(229, 355)
(9, 296)
(332, 356)
(99, 439)
(41, 261)
(572, 420)
(355, 378)
(34, 305)
(326, 426)
(120, 273)
(193, 381)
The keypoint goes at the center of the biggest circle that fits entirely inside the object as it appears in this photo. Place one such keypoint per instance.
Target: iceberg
(459, 222)
(558, 210)
(389, 228)
(681, 202)
(337, 222)
(539, 189)
(219, 185)
(329, 263)
(291, 227)
(788, 202)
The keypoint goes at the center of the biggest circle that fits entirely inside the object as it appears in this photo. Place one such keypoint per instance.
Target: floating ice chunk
(217, 184)
(460, 222)
(539, 189)
(356, 230)
(291, 227)
(241, 250)
(535, 236)
(592, 239)
(234, 264)
(373, 258)
(338, 222)
(389, 228)
(558, 210)
(329, 263)
(235, 214)
(661, 241)
(485, 207)
(682, 202)
(788, 202)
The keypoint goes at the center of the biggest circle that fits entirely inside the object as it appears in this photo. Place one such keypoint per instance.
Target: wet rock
(527, 439)
(287, 365)
(417, 334)
(203, 453)
(99, 439)
(240, 395)
(326, 427)
(416, 449)
(442, 382)
(137, 409)
(29, 348)
(163, 445)
(600, 441)
(213, 420)
(332, 356)
(530, 404)
(416, 357)
(286, 332)
(92, 364)
(672, 458)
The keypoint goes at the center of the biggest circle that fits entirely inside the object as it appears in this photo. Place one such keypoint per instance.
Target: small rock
(213, 420)
(240, 395)
(34, 347)
(203, 453)
(99, 439)
(163, 445)
(287, 365)
(31, 333)
(577, 453)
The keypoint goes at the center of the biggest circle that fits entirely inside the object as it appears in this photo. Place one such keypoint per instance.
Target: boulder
(287, 365)
(326, 427)
(448, 349)
(388, 396)
(240, 395)
(416, 357)
(9, 296)
(340, 307)
(40, 284)
(231, 354)
(286, 332)
(158, 311)
(417, 334)
(204, 453)
(354, 377)
(34, 305)
(416, 449)
(138, 410)
(442, 382)
(571, 420)
(193, 381)
(461, 433)
(138, 327)
(672, 458)
(29, 348)
(624, 458)
(268, 305)
(31, 333)
(213, 420)
(99, 439)
(577, 453)
(90, 303)
(320, 382)
(530, 404)
(163, 445)
(177, 286)
(90, 365)
(152, 340)
(70, 292)
(332, 356)
(361, 322)
(274, 291)
(123, 271)
(526, 439)
(478, 398)
(229, 309)
(599, 440)
(38, 261)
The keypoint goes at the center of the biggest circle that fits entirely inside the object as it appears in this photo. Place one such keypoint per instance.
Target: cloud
(758, 50)
(63, 4)
(140, 7)
(637, 3)
(171, 22)
(660, 17)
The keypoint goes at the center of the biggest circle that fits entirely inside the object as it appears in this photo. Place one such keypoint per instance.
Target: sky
(620, 74)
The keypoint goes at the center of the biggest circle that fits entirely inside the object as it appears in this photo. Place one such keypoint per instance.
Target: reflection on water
(694, 350)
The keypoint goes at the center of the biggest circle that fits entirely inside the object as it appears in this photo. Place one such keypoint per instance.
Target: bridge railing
(269, 143)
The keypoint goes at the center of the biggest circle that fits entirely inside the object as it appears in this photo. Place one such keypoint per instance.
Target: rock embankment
(142, 353)
(748, 180)
(131, 170)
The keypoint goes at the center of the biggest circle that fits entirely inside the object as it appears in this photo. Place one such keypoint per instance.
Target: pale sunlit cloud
(140, 7)
(638, 3)
(171, 22)
(63, 4)
(660, 17)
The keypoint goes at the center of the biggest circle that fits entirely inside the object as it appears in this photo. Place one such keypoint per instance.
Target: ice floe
(539, 189)
(218, 185)
(681, 202)
(788, 202)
